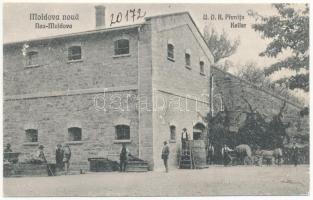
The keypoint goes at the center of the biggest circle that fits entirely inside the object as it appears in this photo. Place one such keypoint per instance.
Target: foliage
(251, 73)
(219, 125)
(288, 31)
(219, 44)
(255, 131)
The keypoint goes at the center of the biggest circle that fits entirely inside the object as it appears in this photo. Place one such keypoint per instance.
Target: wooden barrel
(199, 153)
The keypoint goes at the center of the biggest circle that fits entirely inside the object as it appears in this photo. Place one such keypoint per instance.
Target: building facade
(138, 84)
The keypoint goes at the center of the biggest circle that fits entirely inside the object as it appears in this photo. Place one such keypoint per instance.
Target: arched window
(122, 132)
(31, 135)
(121, 47)
(188, 58)
(170, 51)
(201, 67)
(172, 133)
(75, 134)
(74, 53)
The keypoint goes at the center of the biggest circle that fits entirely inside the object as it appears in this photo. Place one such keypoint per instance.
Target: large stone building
(139, 84)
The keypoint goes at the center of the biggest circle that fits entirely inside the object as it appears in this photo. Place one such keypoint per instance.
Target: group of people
(62, 156)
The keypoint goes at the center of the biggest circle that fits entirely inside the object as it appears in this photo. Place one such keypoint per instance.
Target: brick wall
(173, 81)
(98, 69)
(56, 94)
(54, 115)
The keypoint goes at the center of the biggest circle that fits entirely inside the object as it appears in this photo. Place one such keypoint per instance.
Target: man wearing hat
(184, 138)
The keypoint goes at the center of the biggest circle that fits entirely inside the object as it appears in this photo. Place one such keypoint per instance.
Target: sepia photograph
(155, 100)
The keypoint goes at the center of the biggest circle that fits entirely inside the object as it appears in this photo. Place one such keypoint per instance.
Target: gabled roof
(183, 13)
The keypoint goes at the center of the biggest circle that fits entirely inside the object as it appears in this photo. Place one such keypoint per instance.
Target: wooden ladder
(186, 160)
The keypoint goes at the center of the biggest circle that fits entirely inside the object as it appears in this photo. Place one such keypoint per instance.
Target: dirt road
(216, 180)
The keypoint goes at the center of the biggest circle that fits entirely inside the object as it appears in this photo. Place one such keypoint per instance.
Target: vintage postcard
(103, 99)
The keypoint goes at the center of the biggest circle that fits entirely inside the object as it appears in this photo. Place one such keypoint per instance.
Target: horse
(271, 156)
(244, 154)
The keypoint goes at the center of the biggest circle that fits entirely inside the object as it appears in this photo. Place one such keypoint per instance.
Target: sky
(18, 26)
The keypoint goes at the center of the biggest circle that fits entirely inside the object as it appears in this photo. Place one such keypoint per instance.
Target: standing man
(184, 138)
(294, 154)
(59, 156)
(124, 158)
(66, 157)
(210, 153)
(225, 153)
(165, 154)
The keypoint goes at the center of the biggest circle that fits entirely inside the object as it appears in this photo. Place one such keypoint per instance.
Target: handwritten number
(131, 14)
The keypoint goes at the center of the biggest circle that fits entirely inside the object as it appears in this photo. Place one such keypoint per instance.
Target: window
(122, 132)
(170, 51)
(187, 59)
(31, 135)
(75, 134)
(32, 58)
(121, 47)
(74, 53)
(173, 133)
(198, 131)
(202, 67)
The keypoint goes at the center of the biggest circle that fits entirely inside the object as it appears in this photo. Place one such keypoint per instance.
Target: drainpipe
(212, 93)
(138, 74)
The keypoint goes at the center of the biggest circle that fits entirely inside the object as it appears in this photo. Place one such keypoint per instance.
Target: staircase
(136, 165)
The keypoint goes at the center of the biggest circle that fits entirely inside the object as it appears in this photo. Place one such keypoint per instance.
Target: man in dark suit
(59, 156)
(165, 154)
(294, 154)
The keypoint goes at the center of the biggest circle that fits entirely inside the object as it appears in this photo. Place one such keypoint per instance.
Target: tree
(289, 30)
(219, 44)
(251, 73)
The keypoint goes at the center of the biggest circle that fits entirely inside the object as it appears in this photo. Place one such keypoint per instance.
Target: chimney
(100, 16)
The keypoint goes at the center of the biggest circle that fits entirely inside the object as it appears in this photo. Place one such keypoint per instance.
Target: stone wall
(233, 93)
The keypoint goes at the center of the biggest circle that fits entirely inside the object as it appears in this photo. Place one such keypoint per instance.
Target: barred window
(74, 53)
(75, 134)
(121, 47)
(170, 51)
(173, 133)
(31, 135)
(122, 132)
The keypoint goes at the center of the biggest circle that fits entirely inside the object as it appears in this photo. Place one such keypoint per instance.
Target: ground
(216, 180)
